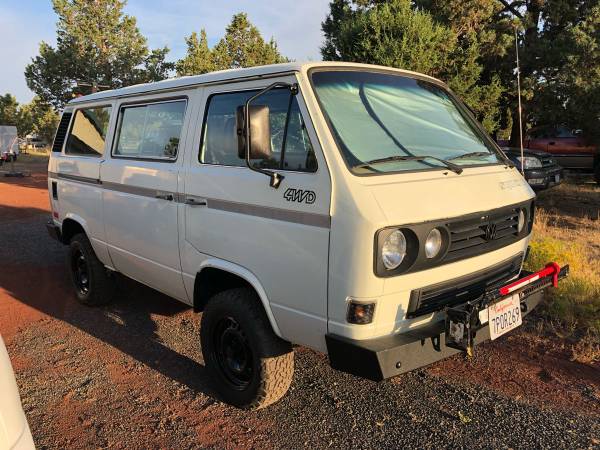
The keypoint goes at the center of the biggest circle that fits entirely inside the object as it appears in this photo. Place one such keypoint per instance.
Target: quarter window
(151, 130)
(220, 140)
(88, 133)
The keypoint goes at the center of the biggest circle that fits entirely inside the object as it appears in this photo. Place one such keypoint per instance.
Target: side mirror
(259, 132)
(254, 137)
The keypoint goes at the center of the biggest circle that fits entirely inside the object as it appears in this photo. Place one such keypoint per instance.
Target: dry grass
(567, 230)
(37, 152)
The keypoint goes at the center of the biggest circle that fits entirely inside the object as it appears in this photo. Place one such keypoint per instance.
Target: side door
(76, 173)
(140, 185)
(232, 214)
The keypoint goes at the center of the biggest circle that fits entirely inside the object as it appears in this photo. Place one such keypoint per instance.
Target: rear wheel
(91, 281)
(251, 366)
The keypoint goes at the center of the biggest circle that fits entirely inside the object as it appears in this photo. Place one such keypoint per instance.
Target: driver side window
(219, 133)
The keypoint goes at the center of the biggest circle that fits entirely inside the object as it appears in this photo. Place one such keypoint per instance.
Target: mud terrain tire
(250, 365)
(92, 284)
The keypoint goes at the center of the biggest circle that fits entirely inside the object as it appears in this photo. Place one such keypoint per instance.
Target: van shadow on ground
(40, 280)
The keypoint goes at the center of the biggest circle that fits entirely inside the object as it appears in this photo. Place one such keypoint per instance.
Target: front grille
(436, 297)
(468, 236)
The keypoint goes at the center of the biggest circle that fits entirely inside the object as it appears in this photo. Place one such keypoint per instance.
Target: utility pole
(519, 97)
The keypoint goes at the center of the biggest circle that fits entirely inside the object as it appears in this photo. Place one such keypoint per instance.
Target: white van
(363, 213)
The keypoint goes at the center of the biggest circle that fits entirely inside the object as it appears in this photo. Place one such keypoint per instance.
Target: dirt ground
(131, 375)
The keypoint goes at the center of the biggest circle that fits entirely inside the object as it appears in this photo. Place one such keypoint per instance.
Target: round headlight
(393, 250)
(521, 221)
(433, 243)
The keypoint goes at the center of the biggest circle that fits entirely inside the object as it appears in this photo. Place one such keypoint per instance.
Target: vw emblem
(490, 232)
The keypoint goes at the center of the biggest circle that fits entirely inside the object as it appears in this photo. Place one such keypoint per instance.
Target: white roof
(225, 75)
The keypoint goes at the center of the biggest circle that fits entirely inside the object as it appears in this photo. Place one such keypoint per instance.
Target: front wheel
(251, 366)
(92, 283)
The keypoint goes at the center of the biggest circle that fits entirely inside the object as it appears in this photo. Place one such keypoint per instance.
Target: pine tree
(395, 34)
(198, 59)
(96, 44)
(242, 46)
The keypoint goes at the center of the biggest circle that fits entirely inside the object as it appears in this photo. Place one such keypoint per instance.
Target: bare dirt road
(131, 375)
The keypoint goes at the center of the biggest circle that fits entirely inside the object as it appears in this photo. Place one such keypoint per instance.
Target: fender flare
(76, 218)
(250, 278)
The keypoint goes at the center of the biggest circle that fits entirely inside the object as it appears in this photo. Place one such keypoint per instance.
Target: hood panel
(437, 196)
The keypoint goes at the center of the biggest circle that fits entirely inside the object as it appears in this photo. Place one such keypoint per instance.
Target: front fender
(245, 274)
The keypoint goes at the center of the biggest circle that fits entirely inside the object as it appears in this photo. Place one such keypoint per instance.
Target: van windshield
(391, 123)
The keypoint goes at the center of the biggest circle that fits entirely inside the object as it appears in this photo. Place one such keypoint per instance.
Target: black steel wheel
(91, 281)
(250, 365)
(233, 353)
(79, 268)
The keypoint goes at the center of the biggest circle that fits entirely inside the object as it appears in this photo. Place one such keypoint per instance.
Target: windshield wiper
(507, 161)
(469, 155)
(453, 167)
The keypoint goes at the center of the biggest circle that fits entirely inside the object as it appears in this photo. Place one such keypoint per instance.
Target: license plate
(556, 178)
(504, 316)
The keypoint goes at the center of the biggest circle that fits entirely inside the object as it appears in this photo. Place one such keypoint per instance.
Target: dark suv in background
(539, 168)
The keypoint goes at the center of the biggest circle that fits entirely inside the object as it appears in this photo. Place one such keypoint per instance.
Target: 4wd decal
(299, 195)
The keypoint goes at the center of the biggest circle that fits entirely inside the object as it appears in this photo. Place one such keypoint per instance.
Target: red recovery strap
(551, 269)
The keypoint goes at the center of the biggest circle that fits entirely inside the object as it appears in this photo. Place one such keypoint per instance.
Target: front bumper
(388, 356)
(544, 178)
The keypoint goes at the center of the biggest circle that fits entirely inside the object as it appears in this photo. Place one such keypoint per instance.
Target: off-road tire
(102, 286)
(272, 357)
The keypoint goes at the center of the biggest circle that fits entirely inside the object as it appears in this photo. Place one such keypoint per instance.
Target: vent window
(61, 132)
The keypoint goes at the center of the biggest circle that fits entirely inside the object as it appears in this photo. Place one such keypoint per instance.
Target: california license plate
(504, 316)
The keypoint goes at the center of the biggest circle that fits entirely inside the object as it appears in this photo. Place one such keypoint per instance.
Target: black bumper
(381, 358)
(53, 230)
(545, 177)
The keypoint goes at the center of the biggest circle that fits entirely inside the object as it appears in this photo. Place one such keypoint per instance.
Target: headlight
(521, 221)
(393, 250)
(433, 243)
(529, 162)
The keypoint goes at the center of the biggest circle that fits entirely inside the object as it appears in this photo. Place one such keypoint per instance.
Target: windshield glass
(384, 123)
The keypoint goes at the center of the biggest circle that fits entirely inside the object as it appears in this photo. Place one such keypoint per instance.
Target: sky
(295, 25)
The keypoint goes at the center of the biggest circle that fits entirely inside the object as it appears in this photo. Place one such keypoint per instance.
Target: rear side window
(220, 140)
(88, 132)
(61, 132)
(150, 131)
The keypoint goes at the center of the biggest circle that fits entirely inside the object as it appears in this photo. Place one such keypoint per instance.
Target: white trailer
(9, 143)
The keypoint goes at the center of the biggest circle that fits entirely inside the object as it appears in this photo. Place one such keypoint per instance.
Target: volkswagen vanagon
(358, 210)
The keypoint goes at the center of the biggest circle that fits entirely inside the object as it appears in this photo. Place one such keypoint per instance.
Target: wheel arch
(216, 275)
(71, 225)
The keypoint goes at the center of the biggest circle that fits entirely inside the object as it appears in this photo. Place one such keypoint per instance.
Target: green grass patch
(575, 305)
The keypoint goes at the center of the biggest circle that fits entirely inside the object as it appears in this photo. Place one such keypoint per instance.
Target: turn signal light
(360, 313)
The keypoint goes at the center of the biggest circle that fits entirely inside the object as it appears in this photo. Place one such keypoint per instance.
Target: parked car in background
(14, 430)
(569, 147)
(539, 168)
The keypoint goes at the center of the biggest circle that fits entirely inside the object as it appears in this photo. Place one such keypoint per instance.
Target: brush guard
(463, 321)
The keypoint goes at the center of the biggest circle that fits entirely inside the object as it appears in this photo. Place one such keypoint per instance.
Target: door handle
(168, 197)
(195, 202)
